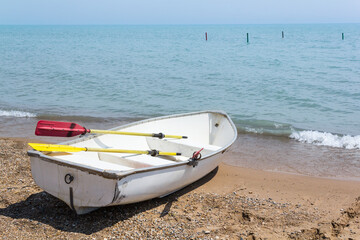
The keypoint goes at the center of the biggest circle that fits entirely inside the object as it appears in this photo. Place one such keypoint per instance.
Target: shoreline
(229, 203)
(237, 150)
(255, 151)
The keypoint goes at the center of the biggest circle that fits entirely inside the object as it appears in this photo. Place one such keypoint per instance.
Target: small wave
(264, 127)
(327, 139)
(14, 113)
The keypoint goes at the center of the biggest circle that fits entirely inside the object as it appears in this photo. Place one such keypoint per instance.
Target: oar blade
(58, 129)
(55, 148)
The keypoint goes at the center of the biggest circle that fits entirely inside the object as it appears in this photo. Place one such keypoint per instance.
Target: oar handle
(158, 135)
(174, 136)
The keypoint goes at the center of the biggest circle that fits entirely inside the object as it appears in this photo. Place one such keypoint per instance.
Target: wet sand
(229, 203)
(282, 154)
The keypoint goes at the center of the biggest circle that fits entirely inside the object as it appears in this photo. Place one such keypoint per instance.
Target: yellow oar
(66, 148)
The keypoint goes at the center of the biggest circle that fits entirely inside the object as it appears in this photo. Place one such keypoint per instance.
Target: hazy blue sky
(177, 11)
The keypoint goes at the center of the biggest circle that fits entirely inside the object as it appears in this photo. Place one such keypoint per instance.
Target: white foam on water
(327, 139)
(14, 113)
(254, 130)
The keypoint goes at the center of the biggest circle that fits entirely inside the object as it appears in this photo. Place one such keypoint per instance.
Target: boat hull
(88, 191)
(85, 189)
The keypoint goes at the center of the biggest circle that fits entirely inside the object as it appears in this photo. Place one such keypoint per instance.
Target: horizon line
(152, 24)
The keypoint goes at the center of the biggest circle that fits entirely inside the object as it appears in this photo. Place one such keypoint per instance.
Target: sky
(178, 11)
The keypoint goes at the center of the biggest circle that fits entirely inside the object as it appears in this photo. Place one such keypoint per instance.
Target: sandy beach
(229, 203)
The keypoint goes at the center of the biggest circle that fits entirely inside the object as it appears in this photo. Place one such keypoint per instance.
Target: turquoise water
(305, 86)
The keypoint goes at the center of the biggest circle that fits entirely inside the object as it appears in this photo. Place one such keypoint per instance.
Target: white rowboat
(88, 180)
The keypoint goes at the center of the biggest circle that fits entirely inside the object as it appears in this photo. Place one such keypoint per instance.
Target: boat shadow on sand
(44, 208)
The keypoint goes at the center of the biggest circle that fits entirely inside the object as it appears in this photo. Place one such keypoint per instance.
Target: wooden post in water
(342, 36)
(247, 37)
(206, 36)
(282, 33)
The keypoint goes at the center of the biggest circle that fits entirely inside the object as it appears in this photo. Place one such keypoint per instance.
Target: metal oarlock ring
(194, 160)
(196, 157)
(68, 178)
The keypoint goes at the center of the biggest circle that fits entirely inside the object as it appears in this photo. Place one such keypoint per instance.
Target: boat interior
(209, 131)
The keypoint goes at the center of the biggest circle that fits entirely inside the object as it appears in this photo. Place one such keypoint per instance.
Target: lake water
(299, 94)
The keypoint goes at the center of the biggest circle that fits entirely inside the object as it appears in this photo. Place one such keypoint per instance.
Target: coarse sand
(229, 203)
